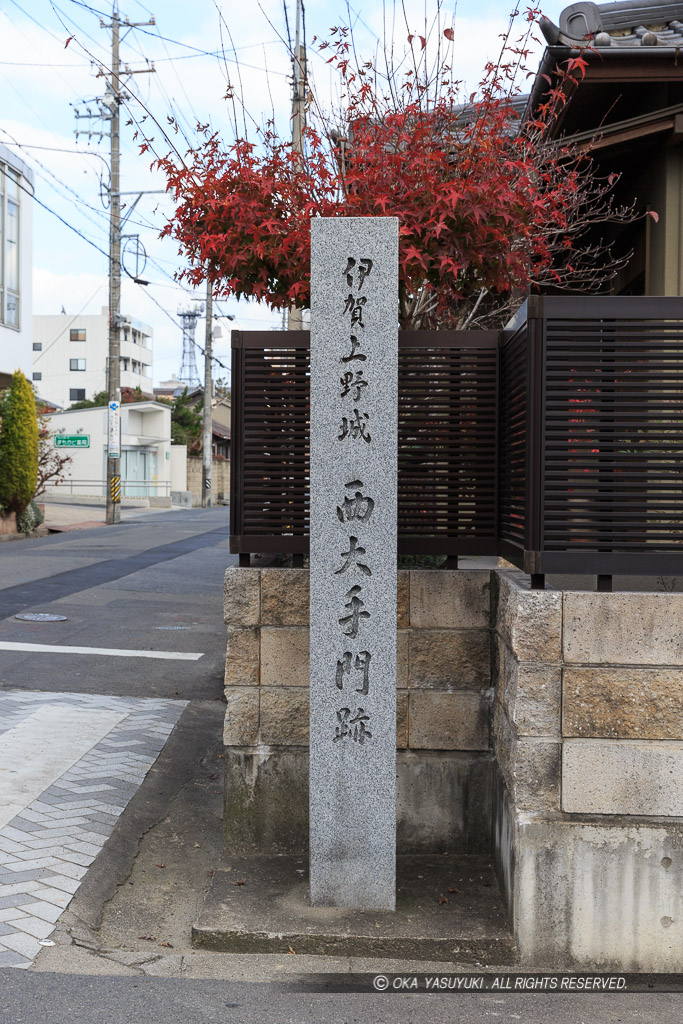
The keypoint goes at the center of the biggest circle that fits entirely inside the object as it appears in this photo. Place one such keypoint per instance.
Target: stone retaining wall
(584, 796)
(220, 479)
(443, 709)
(588, 739)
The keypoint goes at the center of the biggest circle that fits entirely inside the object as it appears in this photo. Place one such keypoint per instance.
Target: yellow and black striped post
(116, 489)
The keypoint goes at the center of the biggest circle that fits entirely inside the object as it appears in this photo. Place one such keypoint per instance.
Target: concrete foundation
(443, 801)
(591, 894)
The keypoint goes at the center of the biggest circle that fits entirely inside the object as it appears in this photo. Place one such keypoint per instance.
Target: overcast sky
(195, 47)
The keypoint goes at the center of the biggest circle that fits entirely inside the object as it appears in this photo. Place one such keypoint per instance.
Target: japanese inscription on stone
(354, 360)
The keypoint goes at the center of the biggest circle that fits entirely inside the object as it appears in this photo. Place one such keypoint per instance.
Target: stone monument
(354, 411)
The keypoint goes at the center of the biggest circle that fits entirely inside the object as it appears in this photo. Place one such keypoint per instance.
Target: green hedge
(18, 445)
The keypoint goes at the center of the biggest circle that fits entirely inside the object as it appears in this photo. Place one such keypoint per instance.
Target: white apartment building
(70, 356)
(16, 229)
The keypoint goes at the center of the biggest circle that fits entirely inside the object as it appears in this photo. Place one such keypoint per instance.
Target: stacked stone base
(588, 741)
(444, 760)
(576, 790)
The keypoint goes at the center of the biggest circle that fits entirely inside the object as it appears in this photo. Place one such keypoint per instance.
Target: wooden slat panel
(614, 437)
(447, 500)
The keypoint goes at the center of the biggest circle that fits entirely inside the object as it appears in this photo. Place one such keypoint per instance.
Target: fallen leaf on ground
(240, 881)
(168, 945)
(292, 951)
(161, 865)
(442, 899)
(148, 938)
(196, 846)
(211, 873)
(454, 890)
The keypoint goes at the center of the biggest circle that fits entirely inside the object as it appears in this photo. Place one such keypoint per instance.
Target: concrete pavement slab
(80, 745)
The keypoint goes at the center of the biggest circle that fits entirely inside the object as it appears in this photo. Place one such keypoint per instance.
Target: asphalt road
(120, 587)
(55, 999)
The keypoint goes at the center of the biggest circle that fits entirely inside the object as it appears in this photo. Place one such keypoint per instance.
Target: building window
(77, 364)
(77, 394)
(37, 346)
(9, 246)
(37, 376)
(77, 334)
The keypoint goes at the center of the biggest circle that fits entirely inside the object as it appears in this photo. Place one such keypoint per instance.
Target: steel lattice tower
(188, 369)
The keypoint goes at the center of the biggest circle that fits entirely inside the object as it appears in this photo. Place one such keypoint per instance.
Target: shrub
(18, 445)
(29, 518)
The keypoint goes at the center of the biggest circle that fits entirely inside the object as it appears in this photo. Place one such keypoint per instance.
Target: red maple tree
(488, 205)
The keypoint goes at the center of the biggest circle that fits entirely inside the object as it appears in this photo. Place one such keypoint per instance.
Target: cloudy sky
(195, 49)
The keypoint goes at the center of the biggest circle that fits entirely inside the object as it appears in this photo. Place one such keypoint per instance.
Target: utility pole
(207, 435)
(114, 360)
(107, 108)
(300, 78)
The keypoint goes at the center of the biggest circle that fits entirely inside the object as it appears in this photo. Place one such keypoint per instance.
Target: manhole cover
(167, 628)
(40, 617)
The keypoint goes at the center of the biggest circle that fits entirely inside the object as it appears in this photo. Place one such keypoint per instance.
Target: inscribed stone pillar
(354, 411)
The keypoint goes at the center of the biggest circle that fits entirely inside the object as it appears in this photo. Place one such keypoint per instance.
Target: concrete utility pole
(107, 108)
(114, 360)
(300, 78)
(207, 434)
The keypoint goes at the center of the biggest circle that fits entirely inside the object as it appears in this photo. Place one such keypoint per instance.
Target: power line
(61, 331)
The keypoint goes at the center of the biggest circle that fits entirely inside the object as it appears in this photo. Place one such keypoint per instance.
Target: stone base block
(272, 913)
(592, 893)
(443, 801)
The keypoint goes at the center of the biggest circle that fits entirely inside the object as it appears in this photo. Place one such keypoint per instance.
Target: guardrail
(98, 488)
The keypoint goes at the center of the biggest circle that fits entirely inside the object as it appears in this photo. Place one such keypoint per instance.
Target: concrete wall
(588, 739)
(220, 479)
(444, 764)
(179, 467)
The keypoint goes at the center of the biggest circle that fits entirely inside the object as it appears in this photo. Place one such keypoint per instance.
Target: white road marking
(10, 645)
(37, 751)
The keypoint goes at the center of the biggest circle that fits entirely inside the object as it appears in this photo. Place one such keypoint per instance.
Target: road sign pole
(113, 484)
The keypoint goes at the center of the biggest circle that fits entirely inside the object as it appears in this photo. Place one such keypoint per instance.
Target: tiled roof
(628, 23)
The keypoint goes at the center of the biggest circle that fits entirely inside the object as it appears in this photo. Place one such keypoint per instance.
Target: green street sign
(72, 440)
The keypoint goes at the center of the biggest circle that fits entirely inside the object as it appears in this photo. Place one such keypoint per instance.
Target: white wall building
(16, 231)
(70, 356)
(145, 451)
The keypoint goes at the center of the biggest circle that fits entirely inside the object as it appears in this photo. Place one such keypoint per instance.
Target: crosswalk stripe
(112, 652)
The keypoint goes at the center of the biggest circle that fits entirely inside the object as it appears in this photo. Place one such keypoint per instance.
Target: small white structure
(16, 229)
(145, 451)
(70, 356)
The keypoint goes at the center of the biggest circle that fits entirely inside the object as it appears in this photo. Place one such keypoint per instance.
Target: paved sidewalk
(89, 755)
(69, 517)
